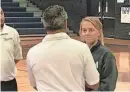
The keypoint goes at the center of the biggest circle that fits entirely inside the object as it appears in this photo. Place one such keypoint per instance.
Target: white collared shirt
(10, 49)
(60, 63)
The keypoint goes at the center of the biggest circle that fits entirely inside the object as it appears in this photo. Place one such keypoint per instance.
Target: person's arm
(35, 88)
(30, 73)
(109, 73)
(90, 71)
(18, 49)
(16, 60)
(91, 87)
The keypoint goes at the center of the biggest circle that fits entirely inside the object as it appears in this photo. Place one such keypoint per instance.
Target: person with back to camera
(60, 63)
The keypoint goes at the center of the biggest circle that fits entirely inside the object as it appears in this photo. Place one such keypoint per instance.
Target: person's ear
(65, 23)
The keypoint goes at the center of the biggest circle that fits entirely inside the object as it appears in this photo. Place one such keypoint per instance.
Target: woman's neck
(92, 44)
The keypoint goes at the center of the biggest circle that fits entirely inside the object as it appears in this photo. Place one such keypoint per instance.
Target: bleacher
(26, 15)
(17, 16)
(76, 9)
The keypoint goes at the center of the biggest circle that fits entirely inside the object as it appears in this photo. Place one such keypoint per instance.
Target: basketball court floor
(120, 48)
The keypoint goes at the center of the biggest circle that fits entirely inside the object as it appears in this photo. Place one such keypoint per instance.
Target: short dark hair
(54, 17)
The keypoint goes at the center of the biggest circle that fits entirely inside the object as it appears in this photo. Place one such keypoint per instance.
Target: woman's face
(89, 33)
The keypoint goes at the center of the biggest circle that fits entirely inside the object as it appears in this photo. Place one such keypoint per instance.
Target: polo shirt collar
(4, 30)
(96, 46)
(57, 36)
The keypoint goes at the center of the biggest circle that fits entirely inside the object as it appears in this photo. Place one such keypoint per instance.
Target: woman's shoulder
(104, 51)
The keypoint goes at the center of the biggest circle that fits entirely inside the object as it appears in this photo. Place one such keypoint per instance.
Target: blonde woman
(91, 33)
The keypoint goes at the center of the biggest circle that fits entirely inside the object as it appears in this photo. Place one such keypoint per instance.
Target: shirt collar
(57, 36)
(4, 30)
(96, 46)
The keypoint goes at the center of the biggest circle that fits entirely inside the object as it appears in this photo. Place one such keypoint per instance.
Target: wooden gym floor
(120, 48)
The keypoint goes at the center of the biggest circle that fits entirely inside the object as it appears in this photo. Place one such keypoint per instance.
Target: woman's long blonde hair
(97, 24)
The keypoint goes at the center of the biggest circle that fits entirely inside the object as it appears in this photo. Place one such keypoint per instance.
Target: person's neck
(55, 31)
(2, 25)
(92, 44)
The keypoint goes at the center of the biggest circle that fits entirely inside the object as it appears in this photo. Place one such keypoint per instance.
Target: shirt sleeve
(109, 73)
(90, 71)
(30, 72)
(18, 48)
